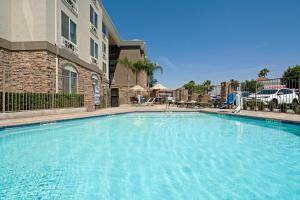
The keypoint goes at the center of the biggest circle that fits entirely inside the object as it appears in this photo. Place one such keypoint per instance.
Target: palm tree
(234, 84)
(207, 85)
(190, 86)
(151, 68)
(125, 62)
(138, 67)
(264, 72)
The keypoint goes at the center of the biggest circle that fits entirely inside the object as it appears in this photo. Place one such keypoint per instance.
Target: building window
(104, 68)
(68, 28)
(104, 48)
(70, 79)
(104, 29)
(94, 48)
(93, 17)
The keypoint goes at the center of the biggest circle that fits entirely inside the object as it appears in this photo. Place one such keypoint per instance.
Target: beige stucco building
(63, 46)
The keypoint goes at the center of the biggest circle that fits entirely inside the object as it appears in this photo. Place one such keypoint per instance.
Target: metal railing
(93, 29)
(94, 60)
(67, 44)
(273, 95)
(29, 91)
(268, 95)
(72, 5)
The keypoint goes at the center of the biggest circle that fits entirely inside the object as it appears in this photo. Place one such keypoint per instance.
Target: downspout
(57, 49)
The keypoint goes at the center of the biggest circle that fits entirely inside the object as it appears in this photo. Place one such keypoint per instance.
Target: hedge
(15, 101)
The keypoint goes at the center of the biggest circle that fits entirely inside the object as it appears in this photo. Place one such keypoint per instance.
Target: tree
(207, 86)
(190, 86)
(125, 62)
(291, 76)
(234, 84)
(138, 67)
(151, 68)
(251, 86)
(264, 72)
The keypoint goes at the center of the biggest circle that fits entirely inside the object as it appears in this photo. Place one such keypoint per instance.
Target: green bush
(251, 105)
(245, 105)
(15, 101)
(260, 105)
(283, 107)
(271, 106)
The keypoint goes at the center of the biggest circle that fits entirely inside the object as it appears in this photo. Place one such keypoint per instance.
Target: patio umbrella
(138, 88)
(158, 87)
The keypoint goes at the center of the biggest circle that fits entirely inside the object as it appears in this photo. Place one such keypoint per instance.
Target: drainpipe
(57, 49)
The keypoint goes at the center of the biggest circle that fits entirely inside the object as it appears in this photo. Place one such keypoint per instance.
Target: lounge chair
(150, 102)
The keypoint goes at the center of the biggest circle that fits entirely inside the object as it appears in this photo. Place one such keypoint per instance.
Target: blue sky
(212, 39)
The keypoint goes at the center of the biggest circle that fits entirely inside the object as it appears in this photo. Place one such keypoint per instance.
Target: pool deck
(292, 118)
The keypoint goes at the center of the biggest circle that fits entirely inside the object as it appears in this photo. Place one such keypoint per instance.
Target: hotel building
(66, 47)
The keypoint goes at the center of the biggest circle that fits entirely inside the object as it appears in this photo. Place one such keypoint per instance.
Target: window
(68, 28)
(286, 91)
(104, 48)
(70, 80)
(64, 25)
(104, 68)
(93, 17)
(94, 48)
(73, 30)
(104, 29)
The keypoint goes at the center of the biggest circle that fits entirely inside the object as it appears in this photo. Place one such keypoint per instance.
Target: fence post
(298, 95)
(53, 90)
(3, 92)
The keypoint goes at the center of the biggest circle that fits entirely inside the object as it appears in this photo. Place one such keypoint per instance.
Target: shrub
(283, 107)
(245, 105)
(15, 101)
(261, 105)
(271, 106)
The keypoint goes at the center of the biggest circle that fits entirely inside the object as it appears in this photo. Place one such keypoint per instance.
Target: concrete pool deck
(292, 118)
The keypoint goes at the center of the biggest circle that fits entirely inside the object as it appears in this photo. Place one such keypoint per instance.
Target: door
(115, 97)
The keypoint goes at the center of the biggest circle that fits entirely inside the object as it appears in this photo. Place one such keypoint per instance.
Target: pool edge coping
(147, 111)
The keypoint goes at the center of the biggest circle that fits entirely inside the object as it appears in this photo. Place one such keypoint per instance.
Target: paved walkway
(127, 108)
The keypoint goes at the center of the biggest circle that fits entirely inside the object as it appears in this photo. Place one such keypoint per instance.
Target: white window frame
(71, 69)
(69, 24)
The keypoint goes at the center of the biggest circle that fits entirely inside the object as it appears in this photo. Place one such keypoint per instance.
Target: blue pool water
(151, 156)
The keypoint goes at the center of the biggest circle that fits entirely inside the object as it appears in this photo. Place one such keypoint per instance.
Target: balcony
(93, 29)
(72, 5)
(94, 60)
(104, 56)
(95, 3)
(67, 44)
(104, 37)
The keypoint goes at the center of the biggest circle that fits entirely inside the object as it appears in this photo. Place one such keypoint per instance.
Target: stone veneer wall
(4, 63)
(34, 71)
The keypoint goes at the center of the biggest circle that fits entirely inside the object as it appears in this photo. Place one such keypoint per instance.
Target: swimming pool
(151, 156)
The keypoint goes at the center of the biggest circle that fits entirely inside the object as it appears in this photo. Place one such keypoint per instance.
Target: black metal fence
(269, 95)
(21, 91)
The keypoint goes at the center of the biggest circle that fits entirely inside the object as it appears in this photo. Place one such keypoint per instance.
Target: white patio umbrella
(138, 88)
(158, 87)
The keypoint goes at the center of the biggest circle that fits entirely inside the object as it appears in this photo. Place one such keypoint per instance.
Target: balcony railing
(67, 44)
(95, 3)
(94, 60)
(72, 5)
(93, 29)
(104, 56)
(104, 37)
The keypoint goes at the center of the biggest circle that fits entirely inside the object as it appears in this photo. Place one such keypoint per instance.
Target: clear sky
(212, 39)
